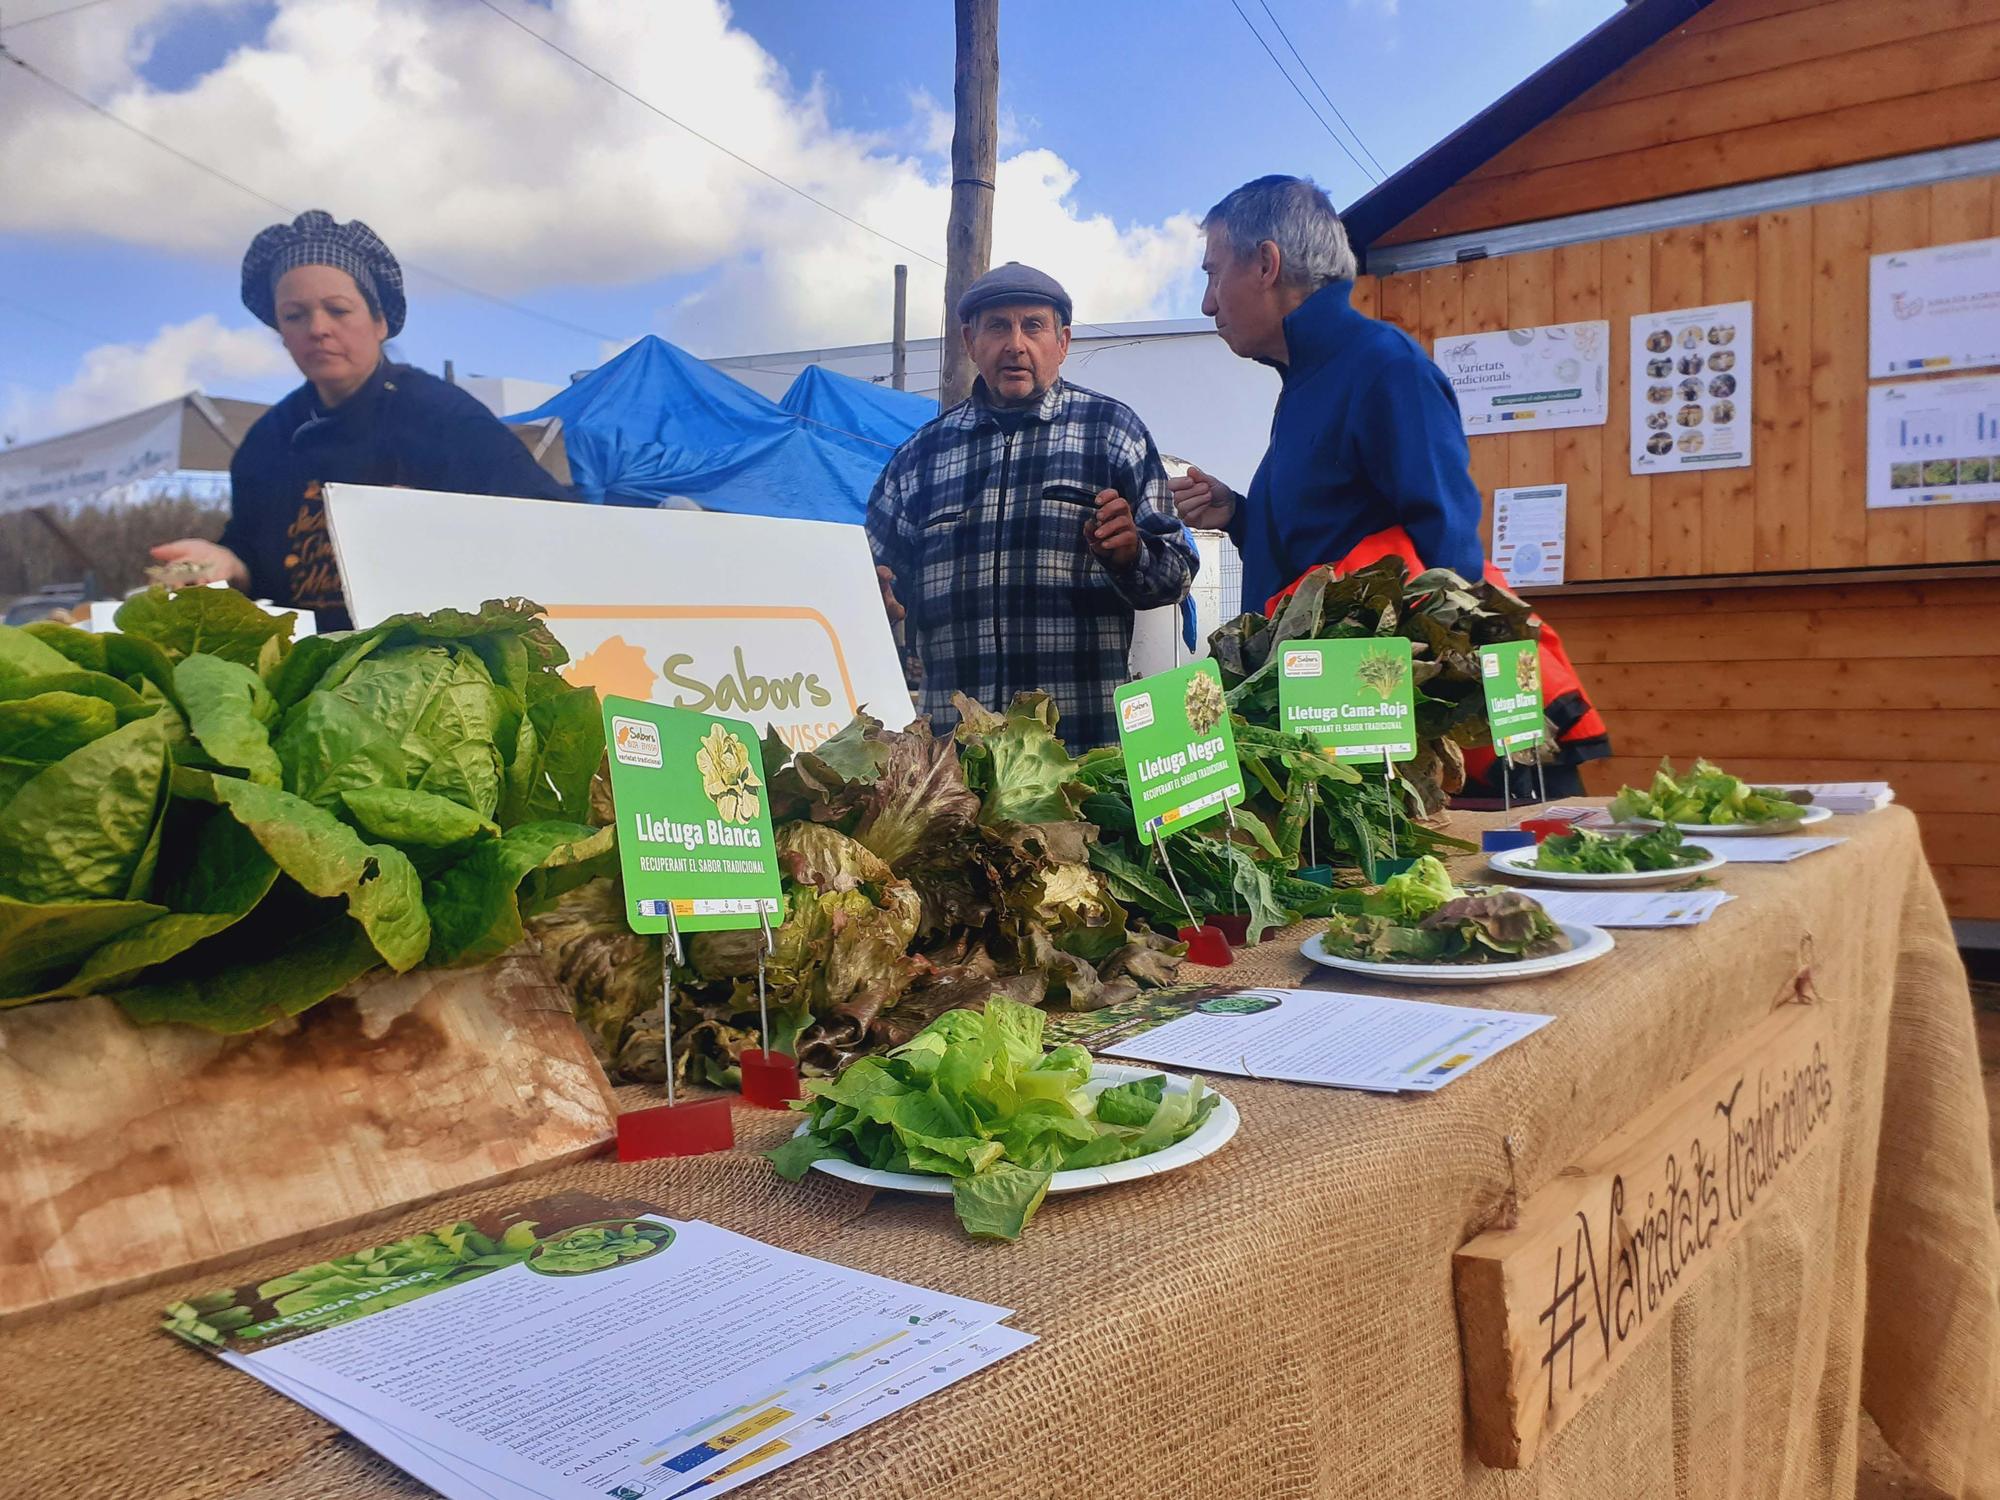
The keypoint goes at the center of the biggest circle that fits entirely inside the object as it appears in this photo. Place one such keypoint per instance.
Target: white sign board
(778, 622)
(1691, 372)
(80, 465)
(1524, 379)
(1529, 525)
(1934, 442)
(1934, 309)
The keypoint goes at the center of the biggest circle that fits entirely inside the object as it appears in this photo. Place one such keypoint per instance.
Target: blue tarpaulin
(656, 422)
(871, 419)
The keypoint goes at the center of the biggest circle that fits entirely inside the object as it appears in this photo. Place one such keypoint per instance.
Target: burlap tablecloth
(1278, 1320)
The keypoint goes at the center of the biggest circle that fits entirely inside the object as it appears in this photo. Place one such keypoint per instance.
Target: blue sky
(482, 154)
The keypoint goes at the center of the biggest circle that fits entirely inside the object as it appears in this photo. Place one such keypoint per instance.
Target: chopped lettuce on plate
(1420, 917)
(1584, 852)
(1707, 794)
(973, 1097)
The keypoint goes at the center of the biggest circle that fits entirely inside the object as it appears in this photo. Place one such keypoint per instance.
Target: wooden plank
(1737, 12)
(1580, 459)
(1943, 734)
(136, 1153)
(1678, 279)
(1891, 127)
(1970, 840)
(1941, 595)
(1729, 496)
(1366, 297)
(1786, 86)
(1484, 307)
(1741, 46)
(1970, 893)
(1531, 303)
(1941, 788)
(1549, 1309)
(1960, 211)
(1839, 383)
(1776, 635)
(1400, 302)
(1881, 684)
(1782, 474)
(1627, 507)
(1897, 221)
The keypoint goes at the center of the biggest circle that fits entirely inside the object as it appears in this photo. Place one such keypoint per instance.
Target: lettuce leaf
(477, 905)
(203, 621)
(229, 713)
(42, 942)
(85, 827)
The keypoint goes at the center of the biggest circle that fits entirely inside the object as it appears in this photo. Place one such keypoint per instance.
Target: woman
(334, 293)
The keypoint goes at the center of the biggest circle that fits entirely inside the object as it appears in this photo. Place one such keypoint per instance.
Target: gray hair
(1295, 214)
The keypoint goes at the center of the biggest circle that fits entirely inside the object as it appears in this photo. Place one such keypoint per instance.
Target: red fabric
(1559, 676)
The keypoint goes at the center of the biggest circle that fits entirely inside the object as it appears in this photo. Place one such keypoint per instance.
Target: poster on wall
(1934, 442)
(778, 622)
(1934, 309)
(1528, 379)
(1691, 374)
(1529, 523)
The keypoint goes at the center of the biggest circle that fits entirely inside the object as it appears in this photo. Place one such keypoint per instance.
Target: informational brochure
(1691, 375)
(1331, 1038)
(1528, 379)
(578, 1347)
(1934, 442)
(1779, 849)
(1632, 908)
(1842, 796)
(1582, 817)
(1529, 527)
(1934, 309)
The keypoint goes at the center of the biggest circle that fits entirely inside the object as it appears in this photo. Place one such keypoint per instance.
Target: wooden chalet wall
(1852, 678)
(1746, 90)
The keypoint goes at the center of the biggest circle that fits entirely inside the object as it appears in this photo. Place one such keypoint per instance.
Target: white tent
(189, 432)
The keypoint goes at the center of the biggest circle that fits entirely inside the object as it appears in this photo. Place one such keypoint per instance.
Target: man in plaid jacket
(1017, 532)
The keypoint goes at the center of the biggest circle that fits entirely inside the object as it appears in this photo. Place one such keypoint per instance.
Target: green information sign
(1180, 752)
(1358, 698)
(694, 823)
(1511, 673)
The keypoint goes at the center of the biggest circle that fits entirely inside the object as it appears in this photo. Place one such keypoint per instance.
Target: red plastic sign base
(1206, 946)
(692, 1129)
(770, 1079)
(1233, 925)
(1547, 828)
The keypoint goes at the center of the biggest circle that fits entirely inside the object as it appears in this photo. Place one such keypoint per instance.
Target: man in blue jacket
(1366, 435)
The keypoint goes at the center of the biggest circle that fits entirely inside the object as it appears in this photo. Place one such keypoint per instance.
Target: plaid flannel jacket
(1002, 591)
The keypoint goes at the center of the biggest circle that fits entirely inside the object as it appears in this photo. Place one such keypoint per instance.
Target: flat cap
(1012, 283)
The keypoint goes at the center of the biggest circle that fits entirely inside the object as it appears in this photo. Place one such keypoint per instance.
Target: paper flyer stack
(583, 1348)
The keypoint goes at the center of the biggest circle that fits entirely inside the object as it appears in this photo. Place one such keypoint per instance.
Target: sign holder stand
(1206, 944)
(770, 1079)
(674, 1129)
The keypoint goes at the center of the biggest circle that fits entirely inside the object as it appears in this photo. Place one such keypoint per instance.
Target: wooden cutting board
(129, 1154)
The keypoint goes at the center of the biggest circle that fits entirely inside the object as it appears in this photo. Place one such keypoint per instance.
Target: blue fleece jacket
(1366, 436)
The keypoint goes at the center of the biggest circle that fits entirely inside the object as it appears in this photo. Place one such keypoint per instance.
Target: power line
(1297, 90)
(289, 212)
(50, 15)
(705, 139)
(1307, 68)
(49, 317)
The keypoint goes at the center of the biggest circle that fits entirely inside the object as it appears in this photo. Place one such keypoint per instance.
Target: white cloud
(114, 379)
(475, 150)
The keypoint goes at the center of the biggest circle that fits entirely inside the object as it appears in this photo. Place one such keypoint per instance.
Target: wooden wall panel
(1864, 682)
(1801, 505)
(1748, 90)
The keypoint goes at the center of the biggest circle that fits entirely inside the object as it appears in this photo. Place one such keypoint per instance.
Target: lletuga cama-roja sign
(1551, 1307)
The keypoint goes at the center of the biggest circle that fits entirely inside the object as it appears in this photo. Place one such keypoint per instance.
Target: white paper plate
(1586, 944)
(1215, 1133)
(1806, 818)
(1521, 864)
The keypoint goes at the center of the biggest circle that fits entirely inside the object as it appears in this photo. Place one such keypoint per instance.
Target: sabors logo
(635, 742)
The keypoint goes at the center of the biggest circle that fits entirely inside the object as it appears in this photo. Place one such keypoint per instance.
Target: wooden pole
(899, 340)
(974, 141)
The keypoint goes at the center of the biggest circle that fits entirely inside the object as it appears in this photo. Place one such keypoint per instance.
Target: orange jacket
(1581, 734)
